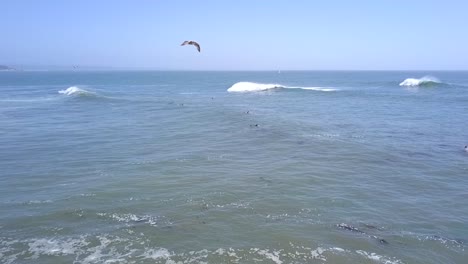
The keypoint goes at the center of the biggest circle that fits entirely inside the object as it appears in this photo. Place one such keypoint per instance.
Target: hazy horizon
(122, 68)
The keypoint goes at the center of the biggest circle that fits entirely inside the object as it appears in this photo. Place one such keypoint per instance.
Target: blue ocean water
(233, 167)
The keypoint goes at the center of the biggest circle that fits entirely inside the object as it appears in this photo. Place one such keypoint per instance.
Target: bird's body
(191, 42)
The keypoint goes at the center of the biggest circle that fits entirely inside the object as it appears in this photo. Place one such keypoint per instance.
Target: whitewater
(256, 87)
(426, 80)
(75, 91)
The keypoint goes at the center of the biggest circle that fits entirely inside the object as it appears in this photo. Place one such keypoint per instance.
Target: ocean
(233, 167)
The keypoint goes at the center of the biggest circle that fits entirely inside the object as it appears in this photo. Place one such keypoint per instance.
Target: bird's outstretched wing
(191, 42)
(196, 45)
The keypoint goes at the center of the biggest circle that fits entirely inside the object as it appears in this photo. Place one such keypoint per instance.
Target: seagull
(191, 42)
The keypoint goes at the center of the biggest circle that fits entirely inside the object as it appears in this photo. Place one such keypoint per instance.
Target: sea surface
(233, 167)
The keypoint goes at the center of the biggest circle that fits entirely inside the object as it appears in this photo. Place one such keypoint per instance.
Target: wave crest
(424, 81)
(257, 87)
(252, 87)
(75, 91)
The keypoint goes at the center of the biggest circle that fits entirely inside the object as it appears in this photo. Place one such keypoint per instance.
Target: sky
(236, 35)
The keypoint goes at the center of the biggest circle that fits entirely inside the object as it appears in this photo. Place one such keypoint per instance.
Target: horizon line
(99, 68)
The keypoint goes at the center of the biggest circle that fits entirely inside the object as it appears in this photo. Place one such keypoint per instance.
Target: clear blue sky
(237, 35)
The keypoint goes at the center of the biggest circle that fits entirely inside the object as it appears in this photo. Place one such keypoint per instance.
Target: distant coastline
(6, 68)
(60, 68)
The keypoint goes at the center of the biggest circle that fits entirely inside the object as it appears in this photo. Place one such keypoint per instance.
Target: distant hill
(5, 68)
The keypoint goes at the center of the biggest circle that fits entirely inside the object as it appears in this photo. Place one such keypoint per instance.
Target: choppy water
(171, 167)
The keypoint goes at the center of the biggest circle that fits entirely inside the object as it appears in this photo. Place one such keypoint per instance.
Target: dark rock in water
(383, 241)
(356, 230)
(349, 227)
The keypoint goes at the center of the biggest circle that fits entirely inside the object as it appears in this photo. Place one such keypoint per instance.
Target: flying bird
(191, 42)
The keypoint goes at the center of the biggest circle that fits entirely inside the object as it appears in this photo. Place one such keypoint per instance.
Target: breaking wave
(139, 249)
(257, 87)
(424, 81)
(76, 91)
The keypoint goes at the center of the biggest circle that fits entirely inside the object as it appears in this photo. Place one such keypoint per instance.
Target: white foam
(38, 202)
(274, 255)
(252, 87)
(420, 81)
(136, 249)
(132, 218)
(104, 252)
(321, 89)
(447, 242)
(106, 249)
(87, 194)
(74, 90)
(317, 254)
(220, 251)
(451, 243)
(257, 87)
(56, 247)
(6, 252)
(337, 249)
(378, 258)
(156, 254)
